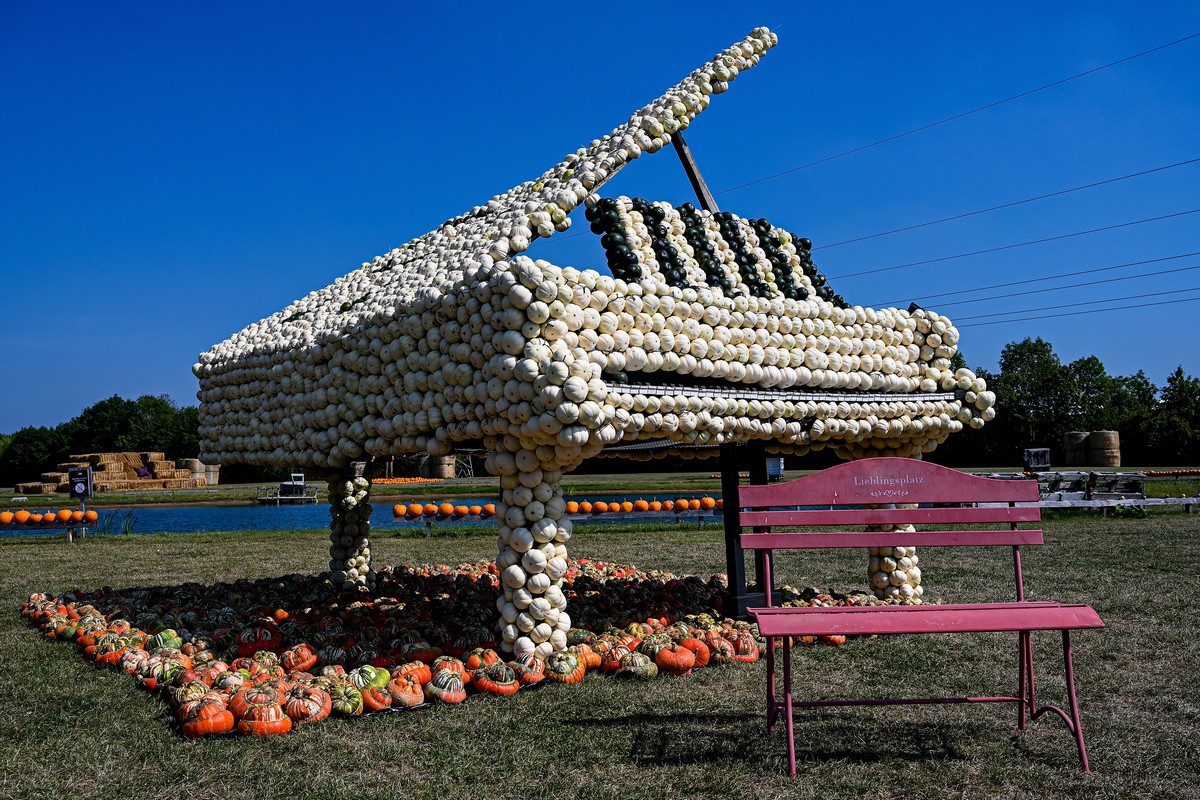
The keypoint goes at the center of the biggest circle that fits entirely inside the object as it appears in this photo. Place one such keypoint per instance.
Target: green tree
(99, 426)
(1089, 392)
(31, 452)
(152, 424)
(1033, 390)
(186, 443)
(1171, 433)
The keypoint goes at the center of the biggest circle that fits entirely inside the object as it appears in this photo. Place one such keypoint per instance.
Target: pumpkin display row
(65, 516)
(263, 657)
(447, 510)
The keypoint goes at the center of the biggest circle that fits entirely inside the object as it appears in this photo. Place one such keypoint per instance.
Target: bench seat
(943, 618)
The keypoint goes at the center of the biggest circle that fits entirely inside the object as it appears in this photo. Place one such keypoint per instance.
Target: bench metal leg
(1071, 718)
(771, 709)
(1076, 724)
(1024, 679)
(787, 709)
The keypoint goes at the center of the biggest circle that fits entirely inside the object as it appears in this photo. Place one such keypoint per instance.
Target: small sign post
(80, 479)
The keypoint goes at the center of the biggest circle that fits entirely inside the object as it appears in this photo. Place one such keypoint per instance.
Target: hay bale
(148, 457)
(54, 477)
(196, 483)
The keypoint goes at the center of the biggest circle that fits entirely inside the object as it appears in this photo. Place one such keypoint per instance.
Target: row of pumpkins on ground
(263, 656)
(448, 509)
(65, 516)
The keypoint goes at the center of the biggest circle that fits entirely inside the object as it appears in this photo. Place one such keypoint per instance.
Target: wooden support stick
(693, 172)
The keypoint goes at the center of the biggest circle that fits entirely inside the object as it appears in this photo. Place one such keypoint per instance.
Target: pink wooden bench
(948, 499)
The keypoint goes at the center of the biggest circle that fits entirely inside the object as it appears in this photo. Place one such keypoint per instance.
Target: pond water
(202, 518)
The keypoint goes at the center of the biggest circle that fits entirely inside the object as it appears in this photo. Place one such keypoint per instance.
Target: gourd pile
(711, 330)
(264, 657)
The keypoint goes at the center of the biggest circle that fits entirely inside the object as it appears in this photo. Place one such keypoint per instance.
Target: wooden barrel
(1075, 449)
(1104, 449)
(441, 467)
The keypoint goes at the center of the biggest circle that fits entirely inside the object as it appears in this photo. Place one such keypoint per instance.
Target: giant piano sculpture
(713, 335)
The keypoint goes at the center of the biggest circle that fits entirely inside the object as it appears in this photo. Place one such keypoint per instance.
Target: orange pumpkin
(497, 678)
(430, 509)
(306, 703)
(626, 506)
(415, 510)
(446, 509)
(376, 698)
(90, 515)
(64, 515)
(204, 716)
(641, 505)
(699, 650)
(675, 660)
(6, 517)
(572, 507)
(708, 503)
(406, 690)
(475, 510)
(461, 511)
(418, 669)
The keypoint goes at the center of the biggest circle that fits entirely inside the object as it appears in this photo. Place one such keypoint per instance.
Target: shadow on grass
(707, 738)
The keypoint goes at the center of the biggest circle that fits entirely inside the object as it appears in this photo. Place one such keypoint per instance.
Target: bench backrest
(844, 495)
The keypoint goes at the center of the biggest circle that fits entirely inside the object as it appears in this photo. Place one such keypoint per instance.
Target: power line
(1012, 246)
(1076, 305)
(1068, 286)
(929, 125)
(1009, 205)
(1079, 313)
(1036, 280)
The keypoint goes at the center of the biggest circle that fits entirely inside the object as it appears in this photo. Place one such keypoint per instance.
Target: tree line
(113, 425)
(1038, 400)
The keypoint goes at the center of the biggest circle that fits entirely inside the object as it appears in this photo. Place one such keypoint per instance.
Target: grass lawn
(70, 730)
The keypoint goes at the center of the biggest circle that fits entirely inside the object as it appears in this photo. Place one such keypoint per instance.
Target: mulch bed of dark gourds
(263, 657)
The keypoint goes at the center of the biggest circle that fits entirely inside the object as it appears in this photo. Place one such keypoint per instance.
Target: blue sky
(174, 172)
